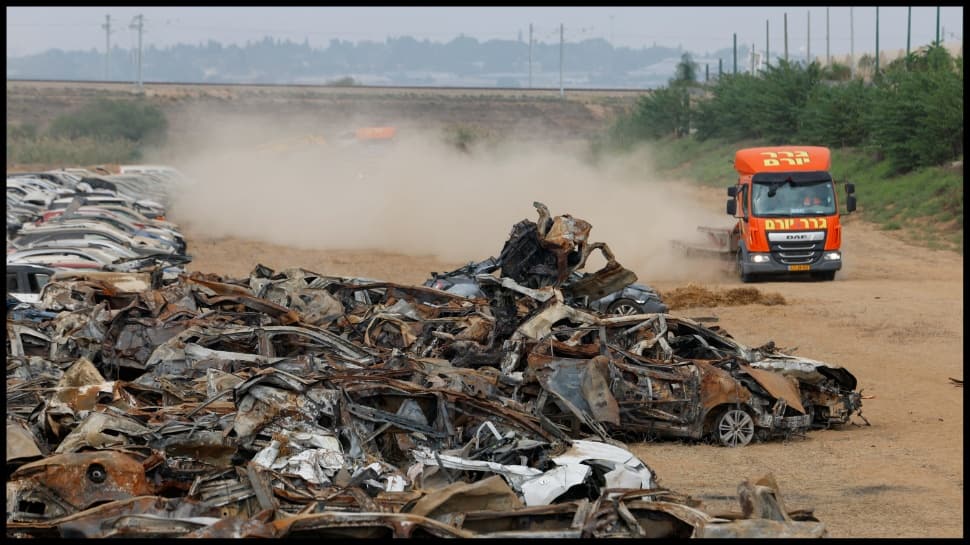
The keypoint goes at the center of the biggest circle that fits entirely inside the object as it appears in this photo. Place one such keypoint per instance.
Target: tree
(916, 118)
(866, 64)
(686, 72)
(836, 72)
(834, 115)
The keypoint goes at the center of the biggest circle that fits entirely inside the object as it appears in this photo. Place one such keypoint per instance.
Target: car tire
(624, 307)
(734, 427)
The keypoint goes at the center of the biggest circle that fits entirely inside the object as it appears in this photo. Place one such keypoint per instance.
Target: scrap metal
(296, 404)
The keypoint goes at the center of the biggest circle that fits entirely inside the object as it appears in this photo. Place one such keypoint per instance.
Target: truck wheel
(824, 276)
(624, 307)
(745, 277)
(734, 428)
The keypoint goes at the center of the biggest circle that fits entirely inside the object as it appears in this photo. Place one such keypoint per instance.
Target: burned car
(551, 252)
(663, 376)
(632, 299)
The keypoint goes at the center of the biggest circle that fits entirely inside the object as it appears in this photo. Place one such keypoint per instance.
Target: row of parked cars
(82, 221)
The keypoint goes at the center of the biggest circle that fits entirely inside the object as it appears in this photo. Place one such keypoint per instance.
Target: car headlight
(760, 258)
(833, 256)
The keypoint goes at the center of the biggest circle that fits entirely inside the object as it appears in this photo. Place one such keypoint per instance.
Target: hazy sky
(698, 29)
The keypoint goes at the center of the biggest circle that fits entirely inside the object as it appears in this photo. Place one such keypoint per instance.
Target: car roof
(93, 252)
(93, 226)
(97, 218)
(29, 267)
(81, 243)
(94, 198)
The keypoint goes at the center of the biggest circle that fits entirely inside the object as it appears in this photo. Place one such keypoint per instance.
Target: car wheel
(745, 277)
(734, 428)
(624, 307)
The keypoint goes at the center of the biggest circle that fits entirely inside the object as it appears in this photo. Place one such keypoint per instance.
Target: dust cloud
(420, 195)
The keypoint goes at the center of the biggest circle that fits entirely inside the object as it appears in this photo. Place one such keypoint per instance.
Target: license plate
(798, 267)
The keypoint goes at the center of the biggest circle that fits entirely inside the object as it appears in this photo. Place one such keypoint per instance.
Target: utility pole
(735, 53)
(562, 91)
(720, 68)
(909, 23)
(107, 46)
(851, 42)
(877, 41)
(937, 25)
(828, 52)
(767, 46)
(752, 59)
(530, 55)
(808, 41)
(139, 26)
(707, 73)
(612, 49)
(786, 37)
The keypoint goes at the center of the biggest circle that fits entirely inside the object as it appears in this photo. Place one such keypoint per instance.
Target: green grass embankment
(69, 151)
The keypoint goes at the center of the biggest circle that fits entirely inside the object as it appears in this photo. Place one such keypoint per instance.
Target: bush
(835, 115)
(770, 106)
(104, 119)
(70, 151)
(730, 110)
(465, 138)
(342, 82)
(664, 112)
(837, 72)
(21, 131)
(916, 116)
(912, 112)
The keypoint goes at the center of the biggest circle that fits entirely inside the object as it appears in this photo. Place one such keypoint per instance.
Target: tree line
(910, 113)
(279, 61)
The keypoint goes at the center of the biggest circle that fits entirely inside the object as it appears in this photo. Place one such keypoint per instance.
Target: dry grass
(693, 295)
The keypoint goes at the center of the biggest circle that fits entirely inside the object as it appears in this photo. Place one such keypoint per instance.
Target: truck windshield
(783, 199)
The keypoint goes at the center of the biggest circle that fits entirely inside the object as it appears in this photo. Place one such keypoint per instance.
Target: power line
(73, 25)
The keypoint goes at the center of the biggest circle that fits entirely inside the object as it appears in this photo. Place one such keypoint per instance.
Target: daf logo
(797, 237)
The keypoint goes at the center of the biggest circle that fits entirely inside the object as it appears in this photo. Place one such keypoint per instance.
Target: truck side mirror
(732, 191)
(849, 188)
(850, 203)
(732, 207)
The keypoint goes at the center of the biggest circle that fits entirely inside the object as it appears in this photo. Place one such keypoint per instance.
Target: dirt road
(894, 317)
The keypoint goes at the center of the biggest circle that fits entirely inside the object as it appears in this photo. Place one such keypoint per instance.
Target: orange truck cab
(788, 212)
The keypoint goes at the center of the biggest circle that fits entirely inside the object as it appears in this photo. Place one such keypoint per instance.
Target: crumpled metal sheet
(489, 494)
(103, 430)
(64, 484)
(21, 443)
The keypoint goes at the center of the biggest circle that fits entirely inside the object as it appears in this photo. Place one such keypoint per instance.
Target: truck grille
(798, 252)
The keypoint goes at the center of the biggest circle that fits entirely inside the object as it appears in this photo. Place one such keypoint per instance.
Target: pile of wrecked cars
(294, 404)
(79, 221)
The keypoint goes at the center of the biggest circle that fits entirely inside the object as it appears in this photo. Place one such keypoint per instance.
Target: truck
(787, 211)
